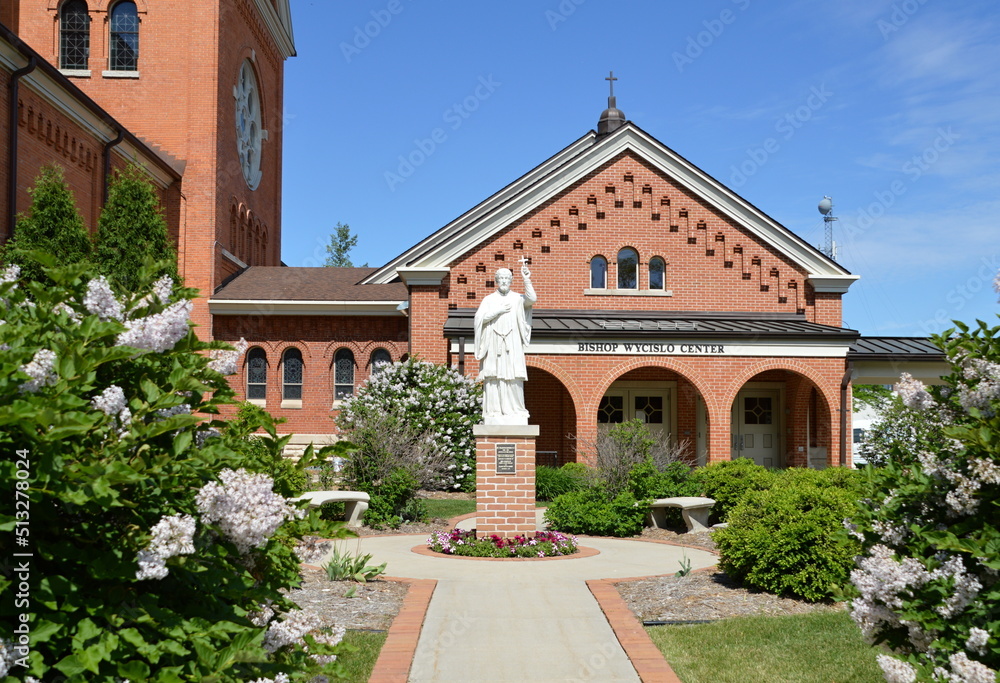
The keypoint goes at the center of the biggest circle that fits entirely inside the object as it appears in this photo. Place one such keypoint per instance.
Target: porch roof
(613, 324)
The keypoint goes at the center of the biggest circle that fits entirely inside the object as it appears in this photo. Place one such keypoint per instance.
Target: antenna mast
(826, 208)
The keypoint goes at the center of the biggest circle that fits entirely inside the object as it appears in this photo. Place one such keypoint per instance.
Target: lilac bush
(149, 554)
(929, 577)
(430, 399)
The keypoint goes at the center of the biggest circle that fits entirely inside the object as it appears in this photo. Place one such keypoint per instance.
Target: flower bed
(466, 544)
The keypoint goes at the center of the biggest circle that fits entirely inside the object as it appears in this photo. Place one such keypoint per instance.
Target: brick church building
(662, 294)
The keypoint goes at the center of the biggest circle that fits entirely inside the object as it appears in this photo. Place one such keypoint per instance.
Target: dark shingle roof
(275, 283)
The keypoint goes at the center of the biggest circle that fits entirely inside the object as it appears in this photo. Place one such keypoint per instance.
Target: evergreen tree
(339, 248)
(54, 226)
(131, 231)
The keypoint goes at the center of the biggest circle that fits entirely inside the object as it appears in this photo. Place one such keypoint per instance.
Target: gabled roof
(584, 156)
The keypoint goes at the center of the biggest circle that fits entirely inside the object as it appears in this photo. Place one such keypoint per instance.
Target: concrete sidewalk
(523, 620)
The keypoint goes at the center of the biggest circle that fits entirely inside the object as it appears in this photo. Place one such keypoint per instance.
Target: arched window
(343, 374)
(628, 268)
(74, 35)
(598, 272)
(657, 273)
(124, 44)
(256, 374)
(291, 387)
(380, 359)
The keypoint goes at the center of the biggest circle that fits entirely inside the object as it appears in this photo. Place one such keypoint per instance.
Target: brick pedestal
(505, 479)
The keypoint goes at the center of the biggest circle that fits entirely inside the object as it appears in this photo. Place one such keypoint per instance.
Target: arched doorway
(666, 401)
(780, 418)
(551, 408)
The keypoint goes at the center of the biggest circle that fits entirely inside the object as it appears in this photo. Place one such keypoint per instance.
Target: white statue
(503, 330)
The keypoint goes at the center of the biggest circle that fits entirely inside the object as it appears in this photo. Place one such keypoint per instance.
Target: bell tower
(202, 82)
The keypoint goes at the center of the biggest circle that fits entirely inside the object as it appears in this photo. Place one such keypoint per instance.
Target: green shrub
(263, 452)
(552, 482)
(789, 540)
(589, 511)
(728, 483)
(393, 500)
(849, 480)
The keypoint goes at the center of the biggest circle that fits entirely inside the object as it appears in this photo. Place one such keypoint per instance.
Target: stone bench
(355, 503)
(695, 511)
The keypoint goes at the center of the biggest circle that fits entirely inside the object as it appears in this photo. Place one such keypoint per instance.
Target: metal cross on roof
(611, 81)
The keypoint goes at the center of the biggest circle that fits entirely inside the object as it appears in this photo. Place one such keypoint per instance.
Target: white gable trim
(576, 162)
(279, 23)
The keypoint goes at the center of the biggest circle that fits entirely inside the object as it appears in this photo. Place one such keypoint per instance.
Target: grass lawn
(447, 508)
(822, 647)
(359, 664)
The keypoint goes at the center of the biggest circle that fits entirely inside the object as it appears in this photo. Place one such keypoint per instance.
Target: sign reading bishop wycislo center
(505, 442)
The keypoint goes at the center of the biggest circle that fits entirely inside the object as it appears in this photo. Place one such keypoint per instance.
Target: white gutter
(285, 307)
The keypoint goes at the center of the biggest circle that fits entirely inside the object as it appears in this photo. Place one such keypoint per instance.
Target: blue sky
(890, 107)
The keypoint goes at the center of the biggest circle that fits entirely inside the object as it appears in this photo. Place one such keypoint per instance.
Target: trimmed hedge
(728, 483)
(789, 540)
(589, 511)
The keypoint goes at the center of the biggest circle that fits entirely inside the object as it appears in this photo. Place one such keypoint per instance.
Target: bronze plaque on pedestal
(505, 458)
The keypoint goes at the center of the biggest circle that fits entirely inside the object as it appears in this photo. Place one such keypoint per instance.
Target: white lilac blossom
(182, 409)
(895, 670)
(244, 507)
(160, 331)
(171, 536)
(111, 401)
(41, 370)
(280, 678)
(290, 630)
(162, 288)
(10, 274)
(101, 301)
(7, 656)
(224, 361)
(913, 393)
(965, 589)
(977, 640)
(965, 670)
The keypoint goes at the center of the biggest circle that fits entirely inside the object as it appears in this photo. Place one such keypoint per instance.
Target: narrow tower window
(124, 37)
(74, 36)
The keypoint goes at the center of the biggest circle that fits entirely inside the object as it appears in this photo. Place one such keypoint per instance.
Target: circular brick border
(581, 553)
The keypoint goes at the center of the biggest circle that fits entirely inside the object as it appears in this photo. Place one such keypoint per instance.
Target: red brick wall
(182, 101)
(47, 135)
(318, 338)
